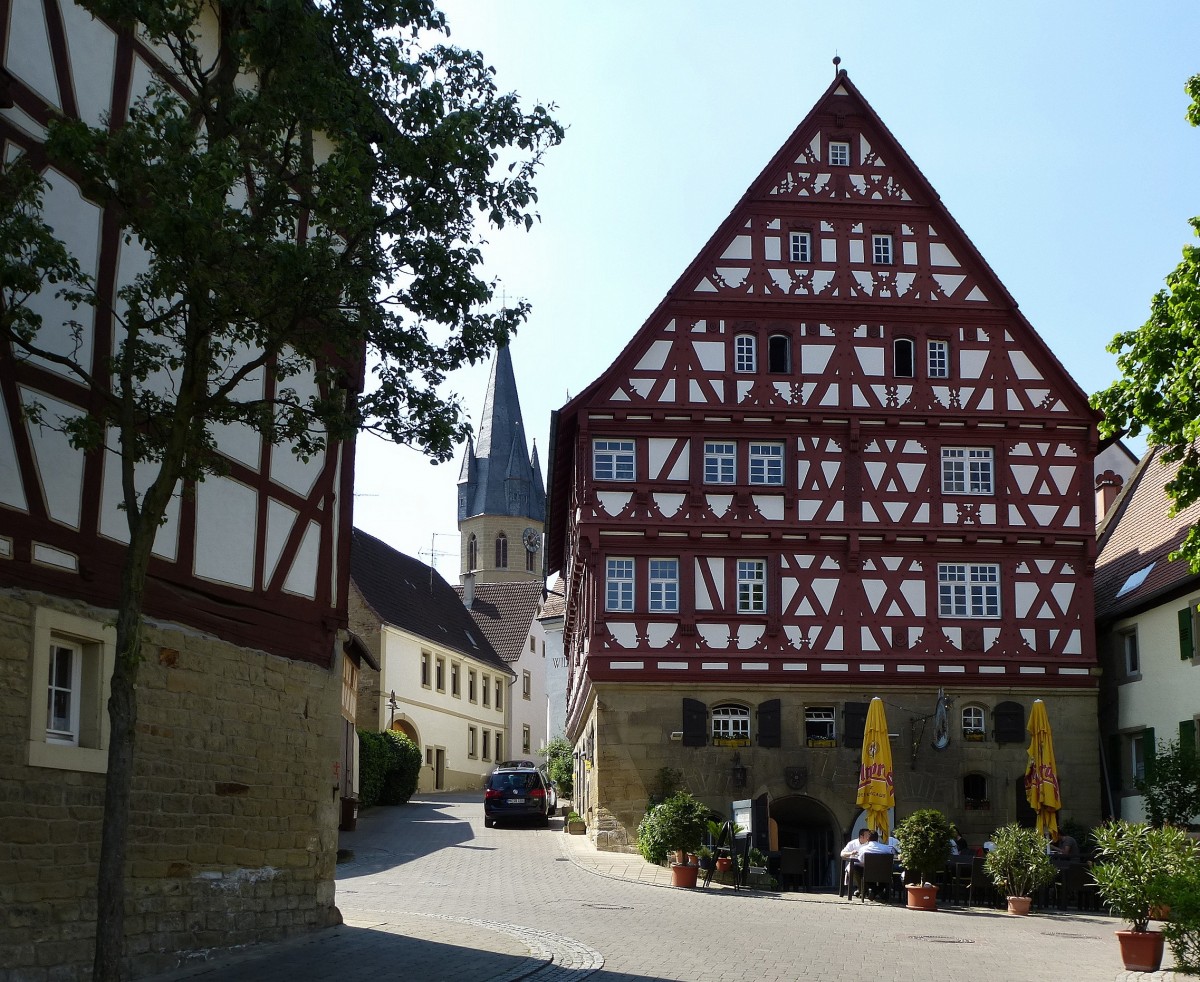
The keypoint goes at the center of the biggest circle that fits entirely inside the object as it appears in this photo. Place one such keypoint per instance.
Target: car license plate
(516, 801)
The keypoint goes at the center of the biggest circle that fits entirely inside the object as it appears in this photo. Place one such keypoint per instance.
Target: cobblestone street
(430, 894)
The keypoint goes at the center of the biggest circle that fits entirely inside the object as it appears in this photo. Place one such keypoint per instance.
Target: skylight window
(1135, 580)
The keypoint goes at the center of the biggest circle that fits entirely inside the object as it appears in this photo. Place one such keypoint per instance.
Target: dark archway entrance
(805, 823)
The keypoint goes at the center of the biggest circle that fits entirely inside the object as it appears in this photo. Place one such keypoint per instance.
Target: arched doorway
(805, 823)
(405, 727)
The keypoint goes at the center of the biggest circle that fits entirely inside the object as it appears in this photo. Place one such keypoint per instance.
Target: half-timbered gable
(835, 460)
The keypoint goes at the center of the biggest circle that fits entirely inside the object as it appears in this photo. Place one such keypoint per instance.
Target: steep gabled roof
(504, 611)
(555, 604)
(413, 597)
(1133, 571)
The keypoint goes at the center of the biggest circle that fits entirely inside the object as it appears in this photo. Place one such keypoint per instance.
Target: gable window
(664, 585)
(938, 363)
(779, 354)
(800, 247)
(752, 586)
(618, 585)
(820, 726)
(766, 463)
(731, 725)
(745, 353)
(969, 589)
(967, 470)
(526, 684)
(719, 463)
(881, 249)
(973, 723)
(839, 153)
(612, 460)
(903, 358)
(501, 551)
(1129, 647)
(472, 552)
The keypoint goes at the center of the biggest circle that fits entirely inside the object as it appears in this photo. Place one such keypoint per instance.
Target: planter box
(731, 741)
(973, 737)
(577, 828)
(822, 743)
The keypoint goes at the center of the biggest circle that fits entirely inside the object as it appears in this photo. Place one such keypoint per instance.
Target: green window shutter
(1148, 751)
(1187, 736)
(1186, 648)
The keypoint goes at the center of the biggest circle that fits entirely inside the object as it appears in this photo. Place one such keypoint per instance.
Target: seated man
(854, 867)
(1063, 848)
(874, 845)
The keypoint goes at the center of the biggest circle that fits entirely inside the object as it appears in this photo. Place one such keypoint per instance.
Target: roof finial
(836, 62)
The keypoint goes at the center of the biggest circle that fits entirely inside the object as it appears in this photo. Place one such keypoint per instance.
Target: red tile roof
(504, 612)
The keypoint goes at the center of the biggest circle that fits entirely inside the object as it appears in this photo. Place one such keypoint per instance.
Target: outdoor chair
(876, 872)
(793, 869)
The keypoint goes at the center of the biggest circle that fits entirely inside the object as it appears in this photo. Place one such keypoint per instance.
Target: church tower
(501, 497)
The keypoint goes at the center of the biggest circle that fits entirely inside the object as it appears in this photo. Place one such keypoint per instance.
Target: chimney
(468, 590)
(1108, 486)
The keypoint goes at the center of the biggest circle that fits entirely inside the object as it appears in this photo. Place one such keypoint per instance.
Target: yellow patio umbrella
(876, 790)
(1041, 779)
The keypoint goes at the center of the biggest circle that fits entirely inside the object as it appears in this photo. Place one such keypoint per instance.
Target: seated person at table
(873, 845)
(1063, 848)
(960, 843)
(850, 851)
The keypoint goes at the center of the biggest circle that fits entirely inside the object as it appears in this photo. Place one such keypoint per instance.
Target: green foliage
(1171, 787)
(676, 824)
(560, 765)
(1160, 364)
(925, 842)
(389, 765)
(1135, 862)
(1018, 864)
(667, 780)
(1182, 892)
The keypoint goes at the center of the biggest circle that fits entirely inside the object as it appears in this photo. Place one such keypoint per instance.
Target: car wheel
(489, 823)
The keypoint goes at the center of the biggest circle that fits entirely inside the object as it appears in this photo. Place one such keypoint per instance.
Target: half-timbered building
(835, 462)
(246, 710)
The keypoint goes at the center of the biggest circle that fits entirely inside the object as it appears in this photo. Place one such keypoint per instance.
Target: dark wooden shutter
(1116, 771)
(1148, 752)
(1186, 644)
(1010, 722)
(854, 719)
(695, 723)
(769, 724)
(762, 823)
(1187, 736)
(1025, 815)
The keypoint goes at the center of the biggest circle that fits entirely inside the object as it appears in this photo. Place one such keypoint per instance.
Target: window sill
(66, 758)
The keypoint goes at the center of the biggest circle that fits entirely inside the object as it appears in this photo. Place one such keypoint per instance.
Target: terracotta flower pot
(724, 864)
(683, 875)
(1141, 951)
(1019, 905)
(921, 897)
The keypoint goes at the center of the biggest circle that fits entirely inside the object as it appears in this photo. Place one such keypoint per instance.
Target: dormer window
(745, 353)
(839, 153)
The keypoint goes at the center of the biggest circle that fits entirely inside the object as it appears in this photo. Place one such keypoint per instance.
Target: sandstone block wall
(234, 808)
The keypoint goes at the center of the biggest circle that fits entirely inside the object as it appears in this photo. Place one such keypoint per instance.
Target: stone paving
(430, 894)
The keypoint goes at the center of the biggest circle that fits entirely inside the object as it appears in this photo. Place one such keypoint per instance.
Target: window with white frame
(526, 685)
(498, 745)
(938, 361)
(766, 463)
(969, 589)
(63, 695)
(967, 470)
(800, 247)
(881, 249)
(526, 739)
(720, 465)
(664, 585)
(839, 153)
(612, 460)
(745, 353)
(1137, 756)
(751, 586)
(973, 722)
(730, 722)
(903, 365)
(820, 723)
(618, 584)
(1129, 647)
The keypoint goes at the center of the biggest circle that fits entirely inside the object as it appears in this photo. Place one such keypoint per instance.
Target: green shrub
(1018, 864)
(678, 823)
(925, 842)
(560, 765)
(389, 765)
(373, 760)
(1182, 892)
(650, 841)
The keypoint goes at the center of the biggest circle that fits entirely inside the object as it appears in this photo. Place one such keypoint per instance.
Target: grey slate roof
(498, 476)
(1139, 534)
(407, 594)
(504, 611)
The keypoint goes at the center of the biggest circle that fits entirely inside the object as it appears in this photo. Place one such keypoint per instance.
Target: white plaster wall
(529, 712)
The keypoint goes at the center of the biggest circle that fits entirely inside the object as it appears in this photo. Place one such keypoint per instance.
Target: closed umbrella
(1041, 779)
(876, 789)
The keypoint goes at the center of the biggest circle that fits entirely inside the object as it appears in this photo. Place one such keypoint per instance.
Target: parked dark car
(517, 792)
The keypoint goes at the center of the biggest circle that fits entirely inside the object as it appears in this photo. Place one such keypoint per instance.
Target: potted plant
(1135, 862)
(1018, 865)
(575, 824)
(757, 861)
(681, 821)
(723, 863)
(704, 858)
(925, 849)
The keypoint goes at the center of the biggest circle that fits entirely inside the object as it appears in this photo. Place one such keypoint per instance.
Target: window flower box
(974, 736)
(978, 805)
(731, 741)
(822, 742)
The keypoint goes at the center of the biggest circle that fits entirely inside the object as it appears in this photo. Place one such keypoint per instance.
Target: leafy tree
(330, 208)
(1171, 787)
(1160, 363)
(560, 764)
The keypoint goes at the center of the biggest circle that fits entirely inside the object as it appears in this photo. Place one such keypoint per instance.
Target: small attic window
(839, 153)
(1135, 580)
(471, 638)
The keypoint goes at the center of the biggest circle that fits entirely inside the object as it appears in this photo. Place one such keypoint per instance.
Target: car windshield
(515, 781)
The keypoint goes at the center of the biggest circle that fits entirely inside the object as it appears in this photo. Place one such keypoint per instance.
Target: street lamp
(394, 706)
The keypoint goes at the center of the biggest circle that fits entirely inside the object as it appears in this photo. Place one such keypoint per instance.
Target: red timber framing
(907, 461)
(265, 611)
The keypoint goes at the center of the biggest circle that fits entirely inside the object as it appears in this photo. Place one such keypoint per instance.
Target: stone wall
(633, 726)
(234, 806)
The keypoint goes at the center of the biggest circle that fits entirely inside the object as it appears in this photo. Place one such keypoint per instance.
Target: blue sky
(1054, 133)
